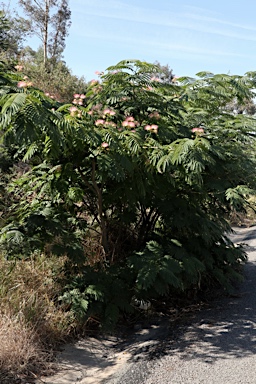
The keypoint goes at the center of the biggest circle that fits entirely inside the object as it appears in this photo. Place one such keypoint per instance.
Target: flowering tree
(148, 170)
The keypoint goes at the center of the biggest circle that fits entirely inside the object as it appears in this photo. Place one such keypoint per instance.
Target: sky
(189, 35)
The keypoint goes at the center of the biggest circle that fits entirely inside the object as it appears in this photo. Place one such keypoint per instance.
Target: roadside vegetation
(119, 196)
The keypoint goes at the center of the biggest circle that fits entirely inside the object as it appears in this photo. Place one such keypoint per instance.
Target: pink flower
(18, 67)
(22, 84)
(198, 130)
(25, 77)
(93, 82)
(155, 115)
(111, 124)
(73, 109)
(80, 102)
(131, 124)
(152, 128)
(99, 122)
(98, 73)
(125, 123)
(82, 96)
(129, 118)
(76, 96)
(47, 94)
(104, 145)
(90, 112)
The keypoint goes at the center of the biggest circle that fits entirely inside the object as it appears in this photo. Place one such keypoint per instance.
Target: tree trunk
(46, 25)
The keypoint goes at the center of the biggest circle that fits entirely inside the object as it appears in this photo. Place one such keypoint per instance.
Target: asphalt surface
(217, 346)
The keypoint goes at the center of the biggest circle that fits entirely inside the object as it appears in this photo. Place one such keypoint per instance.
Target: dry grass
(32, 324)
(21, 354)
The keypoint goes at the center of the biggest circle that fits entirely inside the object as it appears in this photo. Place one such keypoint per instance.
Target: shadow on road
(226, 330)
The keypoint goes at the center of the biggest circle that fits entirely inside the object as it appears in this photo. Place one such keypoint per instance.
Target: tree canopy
(133, 181)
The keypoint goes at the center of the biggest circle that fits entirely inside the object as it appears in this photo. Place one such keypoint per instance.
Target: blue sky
(189, 35)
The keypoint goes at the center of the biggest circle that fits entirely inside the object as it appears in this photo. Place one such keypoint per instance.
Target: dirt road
(218, 345)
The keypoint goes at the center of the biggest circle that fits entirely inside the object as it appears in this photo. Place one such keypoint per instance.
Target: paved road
(218, 347)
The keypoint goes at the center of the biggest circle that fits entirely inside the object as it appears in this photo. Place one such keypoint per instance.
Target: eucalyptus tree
(49, 20)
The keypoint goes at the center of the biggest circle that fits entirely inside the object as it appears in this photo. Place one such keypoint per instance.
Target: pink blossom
(129, 118)
(125, 123)
(133, 130)
(104, 145)
(25, 77)
(75, 101)
(155, 115)
(93, 81)
(99, 122)
(76, 96)
(82, 96)
(80, 102)
(18, 67)
(131, 124)
(22, 84)
(47, 94)
(73, 109)
(111, 124)
(90, 112)
(154, 128)
(198, 130)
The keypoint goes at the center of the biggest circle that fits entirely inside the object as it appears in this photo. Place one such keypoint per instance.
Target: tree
(49, 20)
(13, 31)
(48, 78)
(149, 171)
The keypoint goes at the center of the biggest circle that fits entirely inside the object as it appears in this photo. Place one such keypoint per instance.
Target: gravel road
(217, 347)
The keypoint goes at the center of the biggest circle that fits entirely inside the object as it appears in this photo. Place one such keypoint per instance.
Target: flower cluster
(130, 122)
(105, 145)
(154, 115)
(198, 130)
(78, 99)
(101, 122)
(154, 78)
(49, 95)
(75, 112)
(108, 112)
(18, 67)
(151, 128)
(98, 73)
(24, 84)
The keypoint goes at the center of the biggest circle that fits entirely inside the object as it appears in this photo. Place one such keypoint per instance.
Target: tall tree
(13, 31)
(49, 20)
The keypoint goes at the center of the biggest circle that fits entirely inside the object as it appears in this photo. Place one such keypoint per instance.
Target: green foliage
(148, 170)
